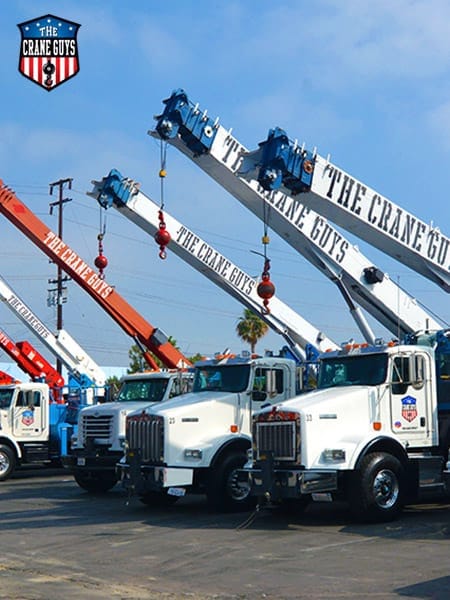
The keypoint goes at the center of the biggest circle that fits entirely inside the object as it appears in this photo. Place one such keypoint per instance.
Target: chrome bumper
(280, 484)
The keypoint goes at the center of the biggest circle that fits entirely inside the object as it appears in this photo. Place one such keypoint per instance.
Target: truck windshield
(222, 379)
(144, 390)
(6, 397)
(369, 369)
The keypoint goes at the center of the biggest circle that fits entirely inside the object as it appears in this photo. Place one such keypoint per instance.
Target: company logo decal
(28, 417)
(48, 50)
(409, 408)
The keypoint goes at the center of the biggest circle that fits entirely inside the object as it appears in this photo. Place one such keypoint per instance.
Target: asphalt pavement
(58, 542)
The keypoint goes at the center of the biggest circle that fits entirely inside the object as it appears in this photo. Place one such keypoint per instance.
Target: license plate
(81, 462)
(322, 497)
(176, 491)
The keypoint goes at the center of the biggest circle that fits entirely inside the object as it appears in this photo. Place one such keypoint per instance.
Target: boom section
(153, 339)
(283, 165)
(84, 371)
(124, 194)
(31, 361)
(215, 150)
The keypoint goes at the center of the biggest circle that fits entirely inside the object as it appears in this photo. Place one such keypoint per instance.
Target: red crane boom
(144, 334)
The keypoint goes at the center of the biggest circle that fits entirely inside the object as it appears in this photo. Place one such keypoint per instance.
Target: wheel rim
(4, 463)
(386, 489)
(237, 490)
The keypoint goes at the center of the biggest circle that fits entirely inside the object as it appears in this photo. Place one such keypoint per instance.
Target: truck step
(36, 453)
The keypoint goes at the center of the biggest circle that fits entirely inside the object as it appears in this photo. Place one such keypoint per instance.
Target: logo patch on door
(409, 408)
(27, 417)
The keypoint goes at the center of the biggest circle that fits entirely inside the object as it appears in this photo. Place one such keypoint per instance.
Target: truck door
(410, 398)
(270, 385)
(29, 415)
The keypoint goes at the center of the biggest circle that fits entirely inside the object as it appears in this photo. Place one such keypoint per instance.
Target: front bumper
(82, 461)
(141, 479)
(276, 484)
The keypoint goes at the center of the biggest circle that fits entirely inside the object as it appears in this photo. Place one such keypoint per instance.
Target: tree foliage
(196, 358)
(138, 364)
(251, 328)
(113, 385)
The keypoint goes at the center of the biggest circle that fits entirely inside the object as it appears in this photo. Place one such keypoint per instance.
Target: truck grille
(96, 427)
(146, 434)
(278, 438)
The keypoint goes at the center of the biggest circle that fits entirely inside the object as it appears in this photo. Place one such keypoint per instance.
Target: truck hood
(188, 401)
(328, 399)
(113, 408)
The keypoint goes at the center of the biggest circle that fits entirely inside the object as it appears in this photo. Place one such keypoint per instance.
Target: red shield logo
(28, 417)
(409, 408)
(49, 51)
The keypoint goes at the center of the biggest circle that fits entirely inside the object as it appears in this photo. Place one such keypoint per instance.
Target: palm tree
(251, 328)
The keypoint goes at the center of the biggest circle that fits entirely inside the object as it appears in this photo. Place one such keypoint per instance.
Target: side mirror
(399, 388)
(259, 396)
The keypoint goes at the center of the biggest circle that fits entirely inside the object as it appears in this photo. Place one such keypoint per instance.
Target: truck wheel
(158, 499)
(376, 493)
(225, 492)
(95, 482)
(7, 462)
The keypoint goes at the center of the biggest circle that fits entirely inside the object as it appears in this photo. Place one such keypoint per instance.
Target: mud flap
(266, 492)
(132, 482)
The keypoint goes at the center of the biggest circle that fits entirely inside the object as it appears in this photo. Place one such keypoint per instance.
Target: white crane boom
(78, 363)
(215, 150)
(124, 194)
(283, 165)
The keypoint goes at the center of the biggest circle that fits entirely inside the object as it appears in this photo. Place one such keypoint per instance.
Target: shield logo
(28, 417)
(409, 408)
(49, 51)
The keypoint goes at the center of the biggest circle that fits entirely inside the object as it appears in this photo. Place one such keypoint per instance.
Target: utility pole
(56, 295)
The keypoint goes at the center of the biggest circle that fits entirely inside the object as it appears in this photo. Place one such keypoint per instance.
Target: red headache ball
(266, 289)
(101, 261)
(162, 237)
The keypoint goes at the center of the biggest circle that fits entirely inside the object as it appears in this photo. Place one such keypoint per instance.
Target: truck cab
(32, 429)
(375, 432)
(99, 441)
(196, 443)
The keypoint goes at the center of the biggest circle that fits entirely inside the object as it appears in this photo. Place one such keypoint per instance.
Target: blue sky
(367, 83)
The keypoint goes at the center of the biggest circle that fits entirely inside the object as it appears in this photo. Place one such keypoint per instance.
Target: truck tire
(158, 499)
(7, 461)
(224, 492)
(95, 482)
(376, 493)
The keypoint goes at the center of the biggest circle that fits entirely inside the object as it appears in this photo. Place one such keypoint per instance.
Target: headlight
(193, 453)
(333, 455)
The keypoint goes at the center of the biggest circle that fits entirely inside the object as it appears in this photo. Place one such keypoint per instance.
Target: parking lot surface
(58, 542)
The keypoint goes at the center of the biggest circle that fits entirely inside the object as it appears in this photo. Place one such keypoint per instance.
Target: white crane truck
(375, 432)
(99, 441)
(33, 428)
(197, 443)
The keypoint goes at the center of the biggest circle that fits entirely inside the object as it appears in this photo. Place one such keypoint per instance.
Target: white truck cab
(376, 432)
(197, 442)
(99, 442)
(33, 430)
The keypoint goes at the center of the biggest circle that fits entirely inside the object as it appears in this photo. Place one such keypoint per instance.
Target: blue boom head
(181, 117)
